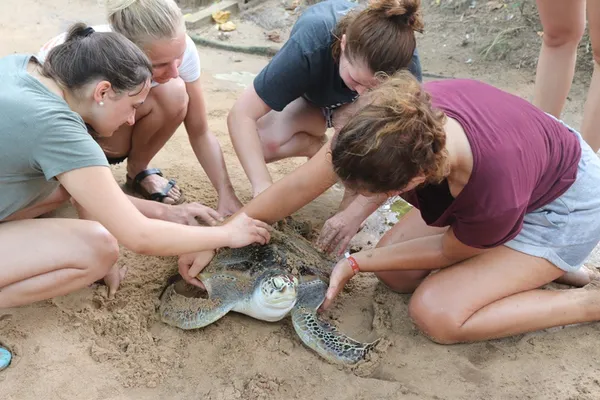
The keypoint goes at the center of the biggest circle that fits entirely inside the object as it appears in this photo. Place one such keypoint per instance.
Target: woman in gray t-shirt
(47, 156)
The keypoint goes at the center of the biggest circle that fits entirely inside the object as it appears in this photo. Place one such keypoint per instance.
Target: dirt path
(83, 346)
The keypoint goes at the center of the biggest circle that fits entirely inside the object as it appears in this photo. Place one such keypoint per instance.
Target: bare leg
(591, 112)
(409, 227)
(564, 23)
(297, 131)
(53, 269)
(496, 294)
(159, 117)
(113, 277)
(412, 226)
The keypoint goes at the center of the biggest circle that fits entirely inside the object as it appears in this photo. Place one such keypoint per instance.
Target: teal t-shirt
(40, 138)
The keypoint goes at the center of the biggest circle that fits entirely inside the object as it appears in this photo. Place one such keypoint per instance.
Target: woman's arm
(295, 190)
(206, 146)
(423, 253)
(106, 202)
(185, 214)
(243, 129)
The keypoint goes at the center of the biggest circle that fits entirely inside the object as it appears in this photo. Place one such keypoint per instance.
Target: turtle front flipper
(320, 335)
(194, 312)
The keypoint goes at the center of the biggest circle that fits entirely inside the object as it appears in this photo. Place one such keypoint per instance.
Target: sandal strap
(159, 196)
(147, 172)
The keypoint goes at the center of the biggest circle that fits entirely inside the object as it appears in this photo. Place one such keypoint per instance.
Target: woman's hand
(186, 214)
(341, 274)
(338, 231)
(243, 230)
(190, 265)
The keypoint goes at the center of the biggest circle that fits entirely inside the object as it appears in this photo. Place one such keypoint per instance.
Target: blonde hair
(142, 21)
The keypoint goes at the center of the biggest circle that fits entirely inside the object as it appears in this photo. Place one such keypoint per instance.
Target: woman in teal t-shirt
(47, 157)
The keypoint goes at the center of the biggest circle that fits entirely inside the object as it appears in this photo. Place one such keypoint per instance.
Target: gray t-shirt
(40, 138)
(305, 67)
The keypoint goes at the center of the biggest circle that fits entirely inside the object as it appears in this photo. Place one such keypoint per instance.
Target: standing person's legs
(563, 23)
(591, 111)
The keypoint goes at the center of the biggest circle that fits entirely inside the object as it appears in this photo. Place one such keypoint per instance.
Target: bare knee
(176, 100)
(433, 318)
(270, 149)
(102, 250)
(563, 36)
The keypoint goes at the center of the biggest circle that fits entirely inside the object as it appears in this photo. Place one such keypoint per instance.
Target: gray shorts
(566, 230)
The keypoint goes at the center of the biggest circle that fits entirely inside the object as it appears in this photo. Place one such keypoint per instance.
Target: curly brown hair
(382, 35)
(395, 137)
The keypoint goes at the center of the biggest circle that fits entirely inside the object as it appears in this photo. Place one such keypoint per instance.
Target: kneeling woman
(507, 199)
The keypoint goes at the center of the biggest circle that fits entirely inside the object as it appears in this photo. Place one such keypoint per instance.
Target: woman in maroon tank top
(494, 182)
(507, 199)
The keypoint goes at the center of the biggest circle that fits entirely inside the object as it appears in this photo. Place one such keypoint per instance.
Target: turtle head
(279, 291)
(276, 295)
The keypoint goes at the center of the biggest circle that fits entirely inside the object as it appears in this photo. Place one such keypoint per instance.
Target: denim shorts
(566, 230)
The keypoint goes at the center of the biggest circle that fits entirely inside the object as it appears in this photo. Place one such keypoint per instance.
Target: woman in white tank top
(158, 28)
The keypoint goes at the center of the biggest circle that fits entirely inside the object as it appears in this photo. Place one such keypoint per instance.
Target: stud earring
(101, 103)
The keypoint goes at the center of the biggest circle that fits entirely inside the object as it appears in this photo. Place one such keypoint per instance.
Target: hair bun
(79, 31)
(409, 10)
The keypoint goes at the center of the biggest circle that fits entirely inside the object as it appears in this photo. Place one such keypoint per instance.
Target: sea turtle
(266, 282)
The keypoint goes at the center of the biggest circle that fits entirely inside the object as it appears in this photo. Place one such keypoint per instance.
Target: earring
(101, 103)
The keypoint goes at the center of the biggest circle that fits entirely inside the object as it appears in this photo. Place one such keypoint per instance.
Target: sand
(83, 346)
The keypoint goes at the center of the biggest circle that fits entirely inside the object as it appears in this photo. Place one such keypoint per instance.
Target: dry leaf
(494, 5)
(292, 5)
(274, 36)
(221, 17)
(227, 26)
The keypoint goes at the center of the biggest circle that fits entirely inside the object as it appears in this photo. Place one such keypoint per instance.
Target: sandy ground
(83, 346)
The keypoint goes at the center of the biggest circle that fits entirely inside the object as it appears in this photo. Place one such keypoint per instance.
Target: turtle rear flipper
(194, 312)
(320, 335)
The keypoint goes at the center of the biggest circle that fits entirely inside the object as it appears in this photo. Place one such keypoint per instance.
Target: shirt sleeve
(286, 77)
(488, 231)
(190, 70)
(66, 145)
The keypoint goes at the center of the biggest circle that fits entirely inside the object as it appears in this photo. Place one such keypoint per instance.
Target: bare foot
(580, 278)
(228, 206)
(113, 279)
(156, 183)
(593, 285)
